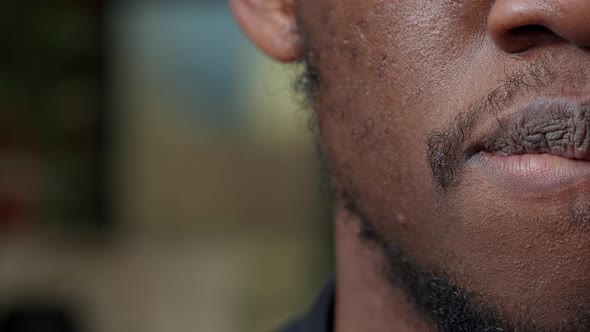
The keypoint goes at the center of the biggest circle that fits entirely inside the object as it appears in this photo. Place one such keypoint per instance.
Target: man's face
(453, 128)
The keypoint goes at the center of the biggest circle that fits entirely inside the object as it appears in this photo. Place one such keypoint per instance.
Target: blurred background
(156, 173)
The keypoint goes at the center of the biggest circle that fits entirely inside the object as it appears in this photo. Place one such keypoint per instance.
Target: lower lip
(535, 171)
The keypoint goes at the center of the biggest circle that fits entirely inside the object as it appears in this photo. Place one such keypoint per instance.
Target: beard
(448, 306)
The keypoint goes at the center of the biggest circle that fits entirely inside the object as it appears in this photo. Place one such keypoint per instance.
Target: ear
(271, 25)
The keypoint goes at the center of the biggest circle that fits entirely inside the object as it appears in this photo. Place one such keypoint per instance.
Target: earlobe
(271, 25)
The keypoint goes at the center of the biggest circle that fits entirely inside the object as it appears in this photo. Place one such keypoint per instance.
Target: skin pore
(456, 134)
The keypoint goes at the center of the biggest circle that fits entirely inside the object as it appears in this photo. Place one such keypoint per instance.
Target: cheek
(387, 67)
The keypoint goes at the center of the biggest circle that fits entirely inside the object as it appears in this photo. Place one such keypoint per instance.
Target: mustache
(447, 152)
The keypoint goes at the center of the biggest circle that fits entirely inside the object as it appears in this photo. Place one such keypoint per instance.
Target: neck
(365, 300)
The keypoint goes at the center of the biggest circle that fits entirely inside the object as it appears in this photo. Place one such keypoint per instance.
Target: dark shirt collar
(321, 316)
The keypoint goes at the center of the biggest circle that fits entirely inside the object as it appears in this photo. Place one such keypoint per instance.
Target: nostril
(523, 37)
(533, 32)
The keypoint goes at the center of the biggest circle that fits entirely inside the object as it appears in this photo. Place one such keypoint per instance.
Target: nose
(519, 25)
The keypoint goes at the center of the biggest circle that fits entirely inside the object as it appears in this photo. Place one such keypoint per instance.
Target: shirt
(321, 316)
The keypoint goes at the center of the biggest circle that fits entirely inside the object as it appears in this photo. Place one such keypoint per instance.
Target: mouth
(543, 145)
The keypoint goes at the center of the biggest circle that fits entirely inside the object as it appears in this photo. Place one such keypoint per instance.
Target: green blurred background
(156, 172)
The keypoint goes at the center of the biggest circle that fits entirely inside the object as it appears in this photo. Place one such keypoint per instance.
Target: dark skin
(457, 132)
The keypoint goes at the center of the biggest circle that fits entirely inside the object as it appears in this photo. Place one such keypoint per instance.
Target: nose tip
(518, 25)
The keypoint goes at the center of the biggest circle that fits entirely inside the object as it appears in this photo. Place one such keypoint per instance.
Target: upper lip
(559, 127)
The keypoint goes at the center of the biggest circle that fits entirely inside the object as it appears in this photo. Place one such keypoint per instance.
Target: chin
(518, 237)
